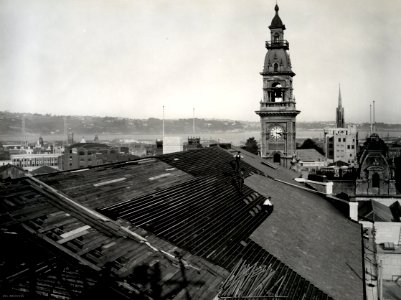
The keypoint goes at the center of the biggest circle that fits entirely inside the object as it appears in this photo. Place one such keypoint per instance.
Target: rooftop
(186, 211)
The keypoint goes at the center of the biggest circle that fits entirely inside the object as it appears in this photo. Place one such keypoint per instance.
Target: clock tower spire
(277, 108)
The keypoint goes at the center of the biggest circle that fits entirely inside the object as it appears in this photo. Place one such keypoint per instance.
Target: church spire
(339, 110)
(339, 96)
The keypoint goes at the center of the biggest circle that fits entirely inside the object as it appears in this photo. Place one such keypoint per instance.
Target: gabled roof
(44, 170)
(396, 211)
(374, 211)
(309, 155)
(9, 166)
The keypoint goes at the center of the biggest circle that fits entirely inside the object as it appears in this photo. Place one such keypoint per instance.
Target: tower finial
(276, 8)
(339, 95)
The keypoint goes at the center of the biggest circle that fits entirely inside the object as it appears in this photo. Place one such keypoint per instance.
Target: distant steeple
(339, 111)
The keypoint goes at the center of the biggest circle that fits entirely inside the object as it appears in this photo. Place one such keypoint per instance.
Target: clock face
(276, 132)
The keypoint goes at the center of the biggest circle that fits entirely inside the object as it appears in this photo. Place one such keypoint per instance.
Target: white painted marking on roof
(80, 170)
(109, 181)
(176, 159)
(72, 232)
(109, 245)
(160, 176)
(146, 160)
(170, 169)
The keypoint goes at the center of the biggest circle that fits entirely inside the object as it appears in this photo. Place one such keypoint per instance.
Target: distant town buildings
(277, 109)
(309, 161)
(83, 155)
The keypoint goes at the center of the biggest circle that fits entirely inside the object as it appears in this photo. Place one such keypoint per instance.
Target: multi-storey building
(30, 162)
(341, 144)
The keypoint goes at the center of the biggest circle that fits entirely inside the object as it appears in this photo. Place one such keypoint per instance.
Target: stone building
(277, 109)
(376, 175)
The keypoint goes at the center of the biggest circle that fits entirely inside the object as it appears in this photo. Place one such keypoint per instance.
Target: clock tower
(277, 108)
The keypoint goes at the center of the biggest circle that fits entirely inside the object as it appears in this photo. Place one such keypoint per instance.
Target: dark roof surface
(309, 155)
(306, 223)
(90, 252)
(374, 211)
(44, 170)
(193, 202)
(267, 168)
(89, 145)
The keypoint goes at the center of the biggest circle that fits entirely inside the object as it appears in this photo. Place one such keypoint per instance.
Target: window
(343, 139)
(339, 139)
(276, 158)
(376, 180)
(348, 147)
(275, 67)
(353, 146)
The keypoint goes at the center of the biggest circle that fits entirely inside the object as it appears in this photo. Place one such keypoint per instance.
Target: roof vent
(268, 206)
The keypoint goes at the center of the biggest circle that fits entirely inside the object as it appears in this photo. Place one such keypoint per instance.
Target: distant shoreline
(236, 138)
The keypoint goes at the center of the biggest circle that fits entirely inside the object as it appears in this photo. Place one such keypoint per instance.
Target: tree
(251, 145)
(311, 144)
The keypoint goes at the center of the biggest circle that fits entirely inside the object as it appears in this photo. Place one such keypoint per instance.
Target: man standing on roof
(237, 157)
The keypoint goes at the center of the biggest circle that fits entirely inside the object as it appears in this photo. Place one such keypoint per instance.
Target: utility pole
(374, 117)
(23, 129)
(370, 119)
(193, 121)
(163, 122)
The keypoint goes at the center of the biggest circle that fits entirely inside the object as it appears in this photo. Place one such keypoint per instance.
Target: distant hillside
(11, 123)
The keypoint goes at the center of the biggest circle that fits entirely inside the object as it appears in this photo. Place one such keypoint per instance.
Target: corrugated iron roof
(199, 209)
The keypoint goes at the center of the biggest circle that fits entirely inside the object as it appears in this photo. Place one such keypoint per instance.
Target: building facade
(30, 162)
(340, 144)
(277, 109)
(376, 174)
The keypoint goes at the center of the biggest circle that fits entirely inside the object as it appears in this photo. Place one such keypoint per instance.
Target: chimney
(353, 210)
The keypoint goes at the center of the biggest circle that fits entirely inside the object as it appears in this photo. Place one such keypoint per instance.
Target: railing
(277, 104)
(277, 44)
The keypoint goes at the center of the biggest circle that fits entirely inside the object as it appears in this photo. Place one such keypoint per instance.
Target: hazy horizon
(129, 58)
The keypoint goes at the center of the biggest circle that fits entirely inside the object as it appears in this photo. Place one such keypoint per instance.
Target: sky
(129, 58)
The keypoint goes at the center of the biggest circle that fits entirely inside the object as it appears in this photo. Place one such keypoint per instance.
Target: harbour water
(236, 138)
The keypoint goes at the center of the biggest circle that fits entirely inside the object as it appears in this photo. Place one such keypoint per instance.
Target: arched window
(276, 158)
(376, 180)
(276, 37)
(277, 93)
(275, 66)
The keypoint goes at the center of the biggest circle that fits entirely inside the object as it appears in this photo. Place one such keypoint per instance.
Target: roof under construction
(187, 225)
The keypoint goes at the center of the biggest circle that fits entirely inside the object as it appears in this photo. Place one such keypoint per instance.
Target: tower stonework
(277, 109)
